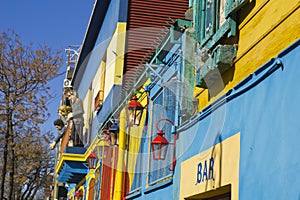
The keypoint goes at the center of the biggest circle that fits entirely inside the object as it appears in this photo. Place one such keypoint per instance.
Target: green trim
(189, 59)
(180, 25)
(227, 28)
(233, 6)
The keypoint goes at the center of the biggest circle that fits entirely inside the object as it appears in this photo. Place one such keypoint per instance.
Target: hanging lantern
(102, 148)
(114, 128)
(113, 132)
(92, 161)
(159, 146)
(135, 112)
(78, 195)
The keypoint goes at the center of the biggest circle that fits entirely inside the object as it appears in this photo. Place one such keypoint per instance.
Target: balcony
(72, 166)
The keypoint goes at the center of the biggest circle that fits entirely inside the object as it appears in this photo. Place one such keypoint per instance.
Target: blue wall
(117, 12)
(265, 110)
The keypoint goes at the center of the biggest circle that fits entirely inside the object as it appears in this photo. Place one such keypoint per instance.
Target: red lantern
(92, 161)
(159, 146)
(135, 112)
(78, 195)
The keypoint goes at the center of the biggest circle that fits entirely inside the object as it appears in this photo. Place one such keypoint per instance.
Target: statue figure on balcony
(60, 126)
(63, 112)
(76, 117)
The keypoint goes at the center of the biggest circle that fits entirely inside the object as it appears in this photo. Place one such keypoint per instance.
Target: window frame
(156, 173)
(228, 28)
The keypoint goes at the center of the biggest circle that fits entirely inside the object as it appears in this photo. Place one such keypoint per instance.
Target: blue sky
(56, 23)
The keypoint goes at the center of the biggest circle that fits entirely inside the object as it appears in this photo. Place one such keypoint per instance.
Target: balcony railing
(65, 138)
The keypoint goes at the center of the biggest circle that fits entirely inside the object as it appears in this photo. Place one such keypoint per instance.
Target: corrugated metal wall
(148, 23)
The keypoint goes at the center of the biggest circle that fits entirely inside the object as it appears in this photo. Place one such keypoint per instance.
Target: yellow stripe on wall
(115, 58)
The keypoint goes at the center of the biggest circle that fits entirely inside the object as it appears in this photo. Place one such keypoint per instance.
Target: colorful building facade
(187, 100)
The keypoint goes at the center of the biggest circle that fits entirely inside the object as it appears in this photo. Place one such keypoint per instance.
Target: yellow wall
(115, 58)
(121, 154)
(136, 133)
(224, 170)
(98, 78)
(269, 28)
(98, 85)
(87, 108)
(264, 30)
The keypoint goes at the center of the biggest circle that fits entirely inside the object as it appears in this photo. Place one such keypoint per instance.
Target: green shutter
(198, 21)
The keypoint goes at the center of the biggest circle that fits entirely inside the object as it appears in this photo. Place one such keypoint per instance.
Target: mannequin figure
(60, 126)
(77, 118)
(63, 112)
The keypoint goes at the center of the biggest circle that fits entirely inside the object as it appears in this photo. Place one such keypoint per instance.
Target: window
(163, 107)
(138, 164)
(214, 20)
(98, 101)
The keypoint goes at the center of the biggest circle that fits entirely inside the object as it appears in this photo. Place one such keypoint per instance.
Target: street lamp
(135, 111)
(135, 108)
(160, 144)
(113, 132)
(92, 161)
(78, 195)
(102, 148)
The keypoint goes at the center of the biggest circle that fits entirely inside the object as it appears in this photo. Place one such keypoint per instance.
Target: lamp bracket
(165, 119)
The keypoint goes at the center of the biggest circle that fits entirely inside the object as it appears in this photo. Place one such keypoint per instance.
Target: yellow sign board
(209, 172)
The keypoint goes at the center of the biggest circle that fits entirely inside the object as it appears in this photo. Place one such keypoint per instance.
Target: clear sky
(56, 23)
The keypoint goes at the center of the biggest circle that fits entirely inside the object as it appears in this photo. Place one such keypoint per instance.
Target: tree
(24, 73)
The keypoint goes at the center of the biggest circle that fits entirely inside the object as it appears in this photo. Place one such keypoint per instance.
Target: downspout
(120, 165)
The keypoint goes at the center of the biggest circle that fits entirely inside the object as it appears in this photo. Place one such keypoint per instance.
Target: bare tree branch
(24, 75)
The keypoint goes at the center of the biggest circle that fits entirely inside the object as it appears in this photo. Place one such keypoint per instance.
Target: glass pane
(138, 166)
(157, 151)
(208, 18)
(156, 147)
(222, 12)
(164, 150)
(130, 115)
(138, 117)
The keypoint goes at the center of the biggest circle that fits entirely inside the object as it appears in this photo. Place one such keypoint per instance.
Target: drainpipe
(121, 149)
